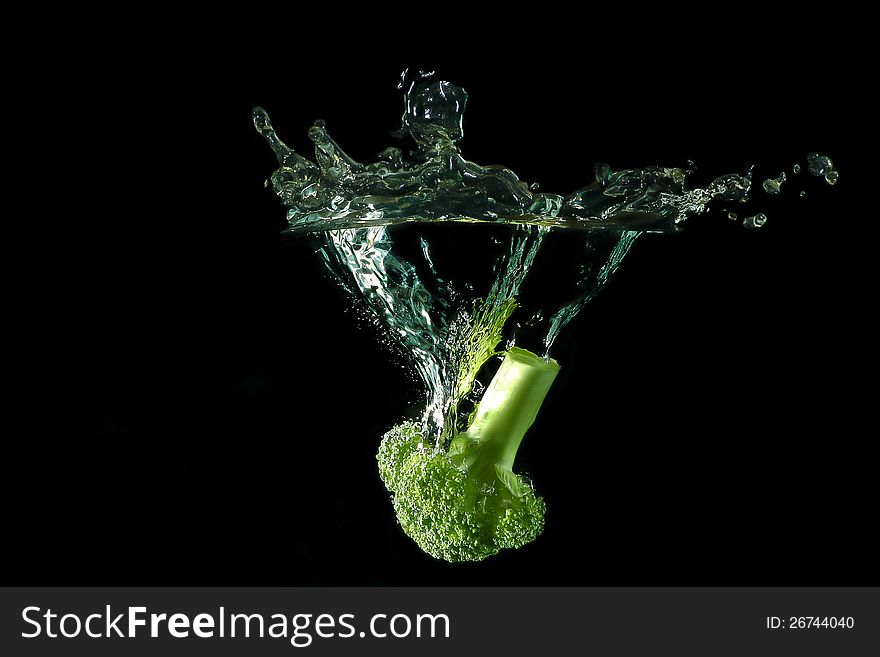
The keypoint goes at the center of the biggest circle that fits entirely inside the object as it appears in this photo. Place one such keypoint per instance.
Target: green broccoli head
(465, 503)
(448, 512)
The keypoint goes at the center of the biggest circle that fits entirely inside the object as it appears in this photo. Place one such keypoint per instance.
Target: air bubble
(755, 221)
(832, 177)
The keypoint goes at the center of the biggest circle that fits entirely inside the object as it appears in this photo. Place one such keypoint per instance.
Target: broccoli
(465, 503)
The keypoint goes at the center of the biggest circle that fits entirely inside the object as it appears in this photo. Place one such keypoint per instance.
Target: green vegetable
(466, 503)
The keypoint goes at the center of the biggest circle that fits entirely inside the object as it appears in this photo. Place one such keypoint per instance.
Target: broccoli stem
(507, 410)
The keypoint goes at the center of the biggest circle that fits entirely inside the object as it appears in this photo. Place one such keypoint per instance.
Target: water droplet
(755, 221)
(818, 164)
(803, 193)
(535, 186)
(731, 216)
(796, 168)
(832, 177)
(774, 185)
(534, 319)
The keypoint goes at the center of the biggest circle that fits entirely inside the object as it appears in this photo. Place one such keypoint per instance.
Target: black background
(210, 404)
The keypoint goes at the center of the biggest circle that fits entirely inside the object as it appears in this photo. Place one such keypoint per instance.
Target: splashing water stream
(449, 330)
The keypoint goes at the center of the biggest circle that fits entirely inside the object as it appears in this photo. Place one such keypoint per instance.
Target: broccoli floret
(465, 503)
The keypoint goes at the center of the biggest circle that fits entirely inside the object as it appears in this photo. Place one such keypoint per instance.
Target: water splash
(448, 327)
(435, 183)
(362, 259)
(590, 283)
